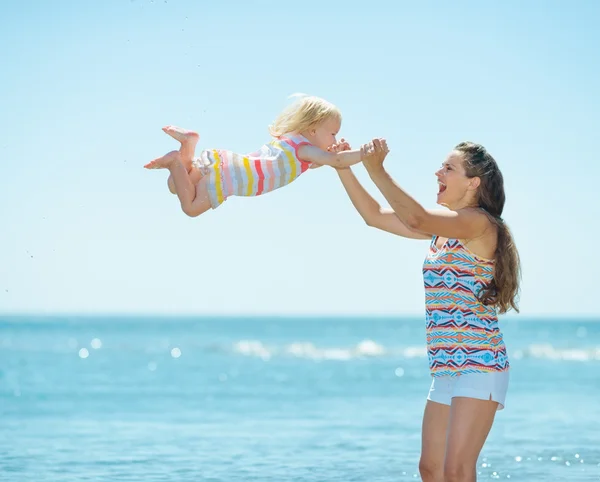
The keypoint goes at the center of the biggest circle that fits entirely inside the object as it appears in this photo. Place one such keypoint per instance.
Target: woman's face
(455, 189)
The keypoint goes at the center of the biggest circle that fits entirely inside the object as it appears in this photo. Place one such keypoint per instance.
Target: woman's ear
(474, 183)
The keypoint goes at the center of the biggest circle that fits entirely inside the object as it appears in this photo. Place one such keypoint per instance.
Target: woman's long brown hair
(503, 291)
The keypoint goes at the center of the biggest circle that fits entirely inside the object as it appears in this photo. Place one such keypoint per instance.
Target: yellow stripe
(218, 183)
(291, 158)
(249, 175)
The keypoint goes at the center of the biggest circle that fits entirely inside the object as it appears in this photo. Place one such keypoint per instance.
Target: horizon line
(161, 314)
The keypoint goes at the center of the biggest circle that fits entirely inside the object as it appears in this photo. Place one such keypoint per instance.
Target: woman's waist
(464, 336)
(459, 304)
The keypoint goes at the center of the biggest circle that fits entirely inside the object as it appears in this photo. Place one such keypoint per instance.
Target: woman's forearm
(363, 202)
(410, 212)
(372, 212)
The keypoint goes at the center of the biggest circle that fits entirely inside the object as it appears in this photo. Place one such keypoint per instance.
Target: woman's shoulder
(484, 244)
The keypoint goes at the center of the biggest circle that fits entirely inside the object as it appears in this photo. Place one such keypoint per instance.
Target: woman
(471, 273)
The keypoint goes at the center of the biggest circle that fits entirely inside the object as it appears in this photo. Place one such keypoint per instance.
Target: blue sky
(86, 87)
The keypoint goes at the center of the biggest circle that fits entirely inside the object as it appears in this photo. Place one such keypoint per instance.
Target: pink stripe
(227, 172)
(271, 175)
(297, 145)
(289, 141)
(261, 177)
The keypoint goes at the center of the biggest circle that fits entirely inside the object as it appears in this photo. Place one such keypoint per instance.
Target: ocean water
(275, 399)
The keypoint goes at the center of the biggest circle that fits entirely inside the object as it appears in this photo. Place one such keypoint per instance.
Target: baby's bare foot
(188, 140)
(165, 161)
(180, 134)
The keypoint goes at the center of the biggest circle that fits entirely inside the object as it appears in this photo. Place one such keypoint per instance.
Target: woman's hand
(373, 154)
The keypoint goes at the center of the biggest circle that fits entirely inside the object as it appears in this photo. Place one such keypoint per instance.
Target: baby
(304, 137)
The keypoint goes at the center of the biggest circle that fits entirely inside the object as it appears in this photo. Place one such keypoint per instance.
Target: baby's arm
(335, 148)
(335, 159)
(339, 147)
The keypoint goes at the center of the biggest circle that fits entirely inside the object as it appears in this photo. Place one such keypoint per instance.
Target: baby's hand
(344, 145)
(340, 146)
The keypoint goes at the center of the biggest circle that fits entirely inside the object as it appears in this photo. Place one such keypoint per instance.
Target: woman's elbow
(367, 218)
(369, 222)
(372, 218)
(415, 222)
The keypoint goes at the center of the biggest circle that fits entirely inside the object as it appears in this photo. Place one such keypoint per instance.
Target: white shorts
(483, 386)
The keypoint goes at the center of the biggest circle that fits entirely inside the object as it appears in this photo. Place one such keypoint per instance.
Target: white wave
(371, 349)
(549, 352)
(252, 348)
(415, 352)
(364, 349)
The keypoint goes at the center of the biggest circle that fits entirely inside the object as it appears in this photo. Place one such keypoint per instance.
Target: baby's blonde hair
(308, 111)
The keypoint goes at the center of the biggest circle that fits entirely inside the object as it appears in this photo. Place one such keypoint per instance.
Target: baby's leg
(188, 140)
(195, 176)
(193, 198)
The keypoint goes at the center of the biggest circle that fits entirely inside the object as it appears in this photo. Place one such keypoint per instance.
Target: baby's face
(324, 135)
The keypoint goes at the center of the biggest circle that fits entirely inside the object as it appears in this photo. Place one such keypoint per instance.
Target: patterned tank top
(462, 333)
(274, 165)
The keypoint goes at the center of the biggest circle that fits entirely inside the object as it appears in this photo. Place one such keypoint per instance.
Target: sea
(269, 398)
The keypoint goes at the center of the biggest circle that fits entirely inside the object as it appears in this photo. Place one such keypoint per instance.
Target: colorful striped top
(462, 333)
(273, 166)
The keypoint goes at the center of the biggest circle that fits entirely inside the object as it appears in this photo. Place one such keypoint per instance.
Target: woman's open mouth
(441, 187)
